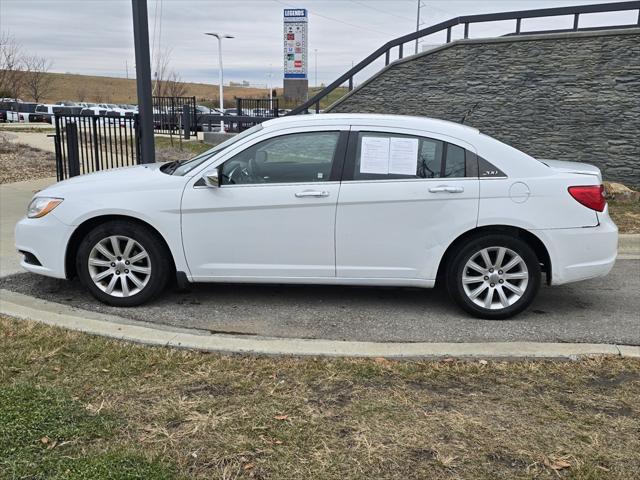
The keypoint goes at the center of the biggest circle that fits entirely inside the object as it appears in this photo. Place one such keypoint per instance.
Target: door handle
(447, 189)
(312, 193)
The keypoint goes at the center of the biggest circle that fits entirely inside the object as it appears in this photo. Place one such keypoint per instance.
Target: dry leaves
(557, 463)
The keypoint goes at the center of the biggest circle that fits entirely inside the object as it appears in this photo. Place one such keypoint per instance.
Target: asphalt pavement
(605, 310)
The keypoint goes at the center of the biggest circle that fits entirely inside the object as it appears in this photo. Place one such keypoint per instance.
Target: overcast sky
(96, 36)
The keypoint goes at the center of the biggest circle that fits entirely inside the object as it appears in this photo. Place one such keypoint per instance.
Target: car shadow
(338, 312)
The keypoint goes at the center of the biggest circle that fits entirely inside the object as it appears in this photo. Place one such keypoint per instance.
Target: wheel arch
(536, 244)
(85, 227)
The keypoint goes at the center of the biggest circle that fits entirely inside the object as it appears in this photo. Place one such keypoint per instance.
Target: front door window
(292, 158)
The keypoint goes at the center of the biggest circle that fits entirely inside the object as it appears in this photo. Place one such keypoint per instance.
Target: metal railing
(467, 21)
(169, 114)
(90, 143)
(232, 123)
(257, 107)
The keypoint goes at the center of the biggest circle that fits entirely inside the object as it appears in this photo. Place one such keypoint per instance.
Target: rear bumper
(581, 253)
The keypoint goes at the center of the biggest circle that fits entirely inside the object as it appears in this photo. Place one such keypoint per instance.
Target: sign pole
(143, 80)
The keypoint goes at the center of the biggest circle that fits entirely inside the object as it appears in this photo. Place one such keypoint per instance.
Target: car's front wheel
(123, 263)
(494, 277)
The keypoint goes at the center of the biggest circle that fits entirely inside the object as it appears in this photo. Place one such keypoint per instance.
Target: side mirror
(212, 178)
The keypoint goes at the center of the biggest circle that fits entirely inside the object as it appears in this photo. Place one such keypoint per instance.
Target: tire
(483, 289)
(129, 272)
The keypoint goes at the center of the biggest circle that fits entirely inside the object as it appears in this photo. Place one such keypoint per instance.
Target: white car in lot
(343, 199)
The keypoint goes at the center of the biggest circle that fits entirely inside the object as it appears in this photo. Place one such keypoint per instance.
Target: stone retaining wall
(572, 96)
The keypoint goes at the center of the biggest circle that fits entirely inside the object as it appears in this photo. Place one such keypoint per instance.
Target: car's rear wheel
(123, 263)
(494, 277)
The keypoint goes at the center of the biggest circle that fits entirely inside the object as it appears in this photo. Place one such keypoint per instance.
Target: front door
(403, 200)
(273, 216)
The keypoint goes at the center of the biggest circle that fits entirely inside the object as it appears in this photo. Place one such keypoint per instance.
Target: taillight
(591, 196)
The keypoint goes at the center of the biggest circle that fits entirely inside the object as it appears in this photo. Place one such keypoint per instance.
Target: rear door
(404, 198)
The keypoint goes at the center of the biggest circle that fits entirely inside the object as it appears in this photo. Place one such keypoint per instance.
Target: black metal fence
(253, 111)
(466, 21)
(90, 143)
(171, 115)
(257, 107)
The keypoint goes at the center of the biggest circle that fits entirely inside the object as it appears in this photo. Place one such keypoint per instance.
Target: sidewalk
(14, 198)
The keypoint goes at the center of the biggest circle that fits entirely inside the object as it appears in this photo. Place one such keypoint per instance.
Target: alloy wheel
(495, 278)
(119, 266)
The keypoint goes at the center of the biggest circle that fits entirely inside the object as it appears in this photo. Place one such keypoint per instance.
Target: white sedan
(346, 199)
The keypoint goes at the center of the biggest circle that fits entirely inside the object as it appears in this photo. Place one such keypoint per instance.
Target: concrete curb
(628, 244)
(43, 311)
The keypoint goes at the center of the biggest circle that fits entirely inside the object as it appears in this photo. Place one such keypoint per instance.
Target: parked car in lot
(48, 111)
(206, 118)
(331, 199)
(23, 112)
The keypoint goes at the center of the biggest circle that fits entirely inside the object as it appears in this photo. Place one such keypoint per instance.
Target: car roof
(374, 119)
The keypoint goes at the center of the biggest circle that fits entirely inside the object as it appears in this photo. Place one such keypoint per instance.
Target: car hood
(111, 177)
(573, 167)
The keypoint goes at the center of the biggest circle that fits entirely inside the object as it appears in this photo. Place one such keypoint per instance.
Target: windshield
(187, 165)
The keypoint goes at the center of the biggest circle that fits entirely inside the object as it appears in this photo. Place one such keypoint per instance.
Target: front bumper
(46, 239)
(581, 253)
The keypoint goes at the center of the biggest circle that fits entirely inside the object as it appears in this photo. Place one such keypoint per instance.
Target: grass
(335, 95)
(625, 214)
(91, 88)
(168, 149)
(111, 409)
(100, 89)
(19, 128)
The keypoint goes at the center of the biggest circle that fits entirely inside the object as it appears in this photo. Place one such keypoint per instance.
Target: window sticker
(374, 155)
(403, 156)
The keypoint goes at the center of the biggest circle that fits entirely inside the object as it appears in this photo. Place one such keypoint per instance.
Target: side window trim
(443, 164)
(350, 160)
(339, 157)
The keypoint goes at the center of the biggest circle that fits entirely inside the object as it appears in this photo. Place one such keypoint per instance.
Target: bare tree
(160, 73)
(37, 81)
(167, 82)
(81, 92)
(11, 66)
(174, 86)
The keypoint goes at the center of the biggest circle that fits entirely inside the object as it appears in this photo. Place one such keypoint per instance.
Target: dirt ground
(20, 162)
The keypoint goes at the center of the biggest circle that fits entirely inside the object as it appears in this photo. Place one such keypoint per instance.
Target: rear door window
(388, 156)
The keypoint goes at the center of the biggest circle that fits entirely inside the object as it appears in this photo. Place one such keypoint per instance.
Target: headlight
(40, 206)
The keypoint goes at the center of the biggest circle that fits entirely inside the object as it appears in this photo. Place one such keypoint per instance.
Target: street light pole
(220, 36)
